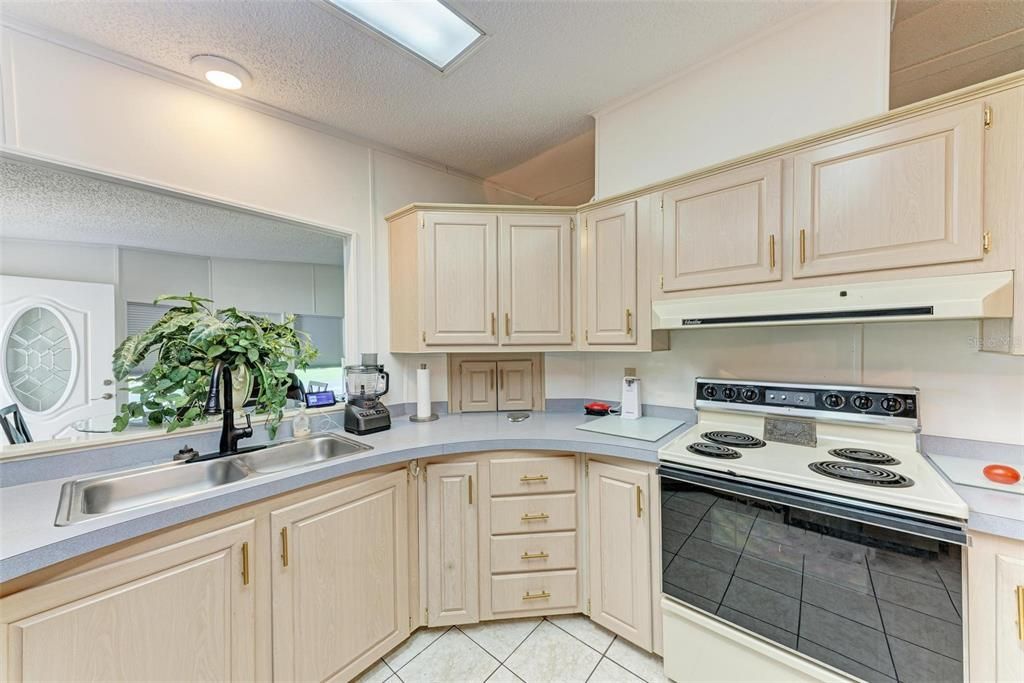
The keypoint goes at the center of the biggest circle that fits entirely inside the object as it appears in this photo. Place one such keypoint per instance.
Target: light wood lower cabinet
(340, 580)
(184, 612)
(619, 530)
(453, 595)
(995, 603)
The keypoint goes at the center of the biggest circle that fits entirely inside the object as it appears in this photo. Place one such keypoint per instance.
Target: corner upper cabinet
(724, 229)
(460, 278)
(535, 266)
(906, 195)
(453, 594)
(609, 263)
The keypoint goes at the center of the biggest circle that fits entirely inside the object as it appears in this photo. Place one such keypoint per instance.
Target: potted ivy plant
(189, 340)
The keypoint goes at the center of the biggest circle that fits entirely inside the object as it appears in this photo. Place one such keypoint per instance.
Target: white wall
(826, 69)
(75, 108)
(964, 393)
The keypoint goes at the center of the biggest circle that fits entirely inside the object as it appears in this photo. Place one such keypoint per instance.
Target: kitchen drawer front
(520, 476)
(533, 514)
(533, 591)
(533, 552)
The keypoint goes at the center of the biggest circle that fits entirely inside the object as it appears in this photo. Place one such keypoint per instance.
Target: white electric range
(795, 515)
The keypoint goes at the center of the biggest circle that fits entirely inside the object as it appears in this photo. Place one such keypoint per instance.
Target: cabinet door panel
(453, 595)
(909, 195)
(1009, 644)
(479, 386)
(609, 261)
(620, 551)
(343, 599)
(724, 229)
(536, 279)
(515, 385)
(179, 613)
(460, 271)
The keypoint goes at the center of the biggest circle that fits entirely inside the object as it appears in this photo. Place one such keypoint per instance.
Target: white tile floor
(553, 650)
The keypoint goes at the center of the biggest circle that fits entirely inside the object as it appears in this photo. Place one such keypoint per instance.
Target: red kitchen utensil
(1001, 474)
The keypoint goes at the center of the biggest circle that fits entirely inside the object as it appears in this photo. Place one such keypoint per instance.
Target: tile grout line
(580, 639)
(418, 653)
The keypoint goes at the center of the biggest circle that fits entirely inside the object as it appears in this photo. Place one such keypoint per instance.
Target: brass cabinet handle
(534, 556)
(494, 325)
(530, 517)
(491, 373)
(629, 322)
(501, 380)
(771, 252)
(245, 563)
(639, 502)
(536, 596)
(1020, 612)
(284, 546)
(508, 325)
(471, 489)
(527, 478)
(803, 245)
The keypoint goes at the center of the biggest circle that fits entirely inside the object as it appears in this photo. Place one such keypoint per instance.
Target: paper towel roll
(423, 391)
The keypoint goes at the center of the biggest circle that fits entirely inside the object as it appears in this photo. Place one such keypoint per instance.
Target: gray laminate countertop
(29, 540)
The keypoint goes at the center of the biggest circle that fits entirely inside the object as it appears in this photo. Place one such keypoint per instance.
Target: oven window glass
(879, 604)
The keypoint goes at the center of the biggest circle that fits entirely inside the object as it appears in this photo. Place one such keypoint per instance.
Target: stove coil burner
(734, 439)
(861, 474)
(713, 450)
(864, 455)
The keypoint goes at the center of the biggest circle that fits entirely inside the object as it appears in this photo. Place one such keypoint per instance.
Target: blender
(364, 385)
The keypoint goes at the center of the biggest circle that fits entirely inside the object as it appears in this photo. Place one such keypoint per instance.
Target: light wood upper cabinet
(907, 195)
(724, 229)
(609, 258)
(535, 266)
(340, 580)
(460, 278)
(184, 612)
(453, 595)
(515, 385)
(620, 551)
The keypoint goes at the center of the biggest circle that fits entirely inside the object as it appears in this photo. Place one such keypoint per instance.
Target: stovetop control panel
(773, 397)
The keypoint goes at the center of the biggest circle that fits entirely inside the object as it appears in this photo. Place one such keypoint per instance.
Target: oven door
(873, 592)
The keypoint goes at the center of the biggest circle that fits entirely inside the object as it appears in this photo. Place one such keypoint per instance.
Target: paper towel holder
(414, 417)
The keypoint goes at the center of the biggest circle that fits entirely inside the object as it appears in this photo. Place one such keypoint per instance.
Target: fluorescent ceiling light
(427, 28)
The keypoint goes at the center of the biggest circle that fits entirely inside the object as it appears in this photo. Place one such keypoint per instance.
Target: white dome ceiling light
(222, 72)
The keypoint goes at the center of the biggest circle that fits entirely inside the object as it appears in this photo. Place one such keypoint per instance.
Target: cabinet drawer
(533, 552)
(534, 591)
(518, 476)
(532, 514)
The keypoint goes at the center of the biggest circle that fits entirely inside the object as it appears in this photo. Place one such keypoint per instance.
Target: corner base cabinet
(339, 580)
(184, 612)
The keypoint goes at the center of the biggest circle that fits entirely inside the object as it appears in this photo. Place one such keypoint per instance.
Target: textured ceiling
(942, 45)
(42, 203)
(530, 85)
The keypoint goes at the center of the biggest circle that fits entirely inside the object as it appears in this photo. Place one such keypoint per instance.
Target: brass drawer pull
(1020, 612)
(534, 556)
(284, 546)
(536, 596)
(245, 563)
(527, 478)
(530, 517)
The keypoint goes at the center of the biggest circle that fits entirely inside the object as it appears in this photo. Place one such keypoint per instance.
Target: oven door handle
(868, 513)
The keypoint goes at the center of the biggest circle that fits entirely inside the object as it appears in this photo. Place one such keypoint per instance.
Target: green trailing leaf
(188, 341)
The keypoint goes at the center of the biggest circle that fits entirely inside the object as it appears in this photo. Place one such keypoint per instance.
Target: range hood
(981, 295)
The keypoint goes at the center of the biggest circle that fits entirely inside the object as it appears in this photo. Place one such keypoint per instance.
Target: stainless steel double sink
(94, 497)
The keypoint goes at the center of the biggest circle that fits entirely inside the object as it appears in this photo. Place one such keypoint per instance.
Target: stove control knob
(892, 404)
(862, 402)
(833, 400)
(749, 394)
(729, 393)
(710, 391)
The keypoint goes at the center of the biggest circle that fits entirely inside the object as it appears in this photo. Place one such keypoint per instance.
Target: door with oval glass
(56, 341)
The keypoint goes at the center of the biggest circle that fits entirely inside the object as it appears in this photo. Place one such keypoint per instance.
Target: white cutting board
(643, 428)
(968, 471)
